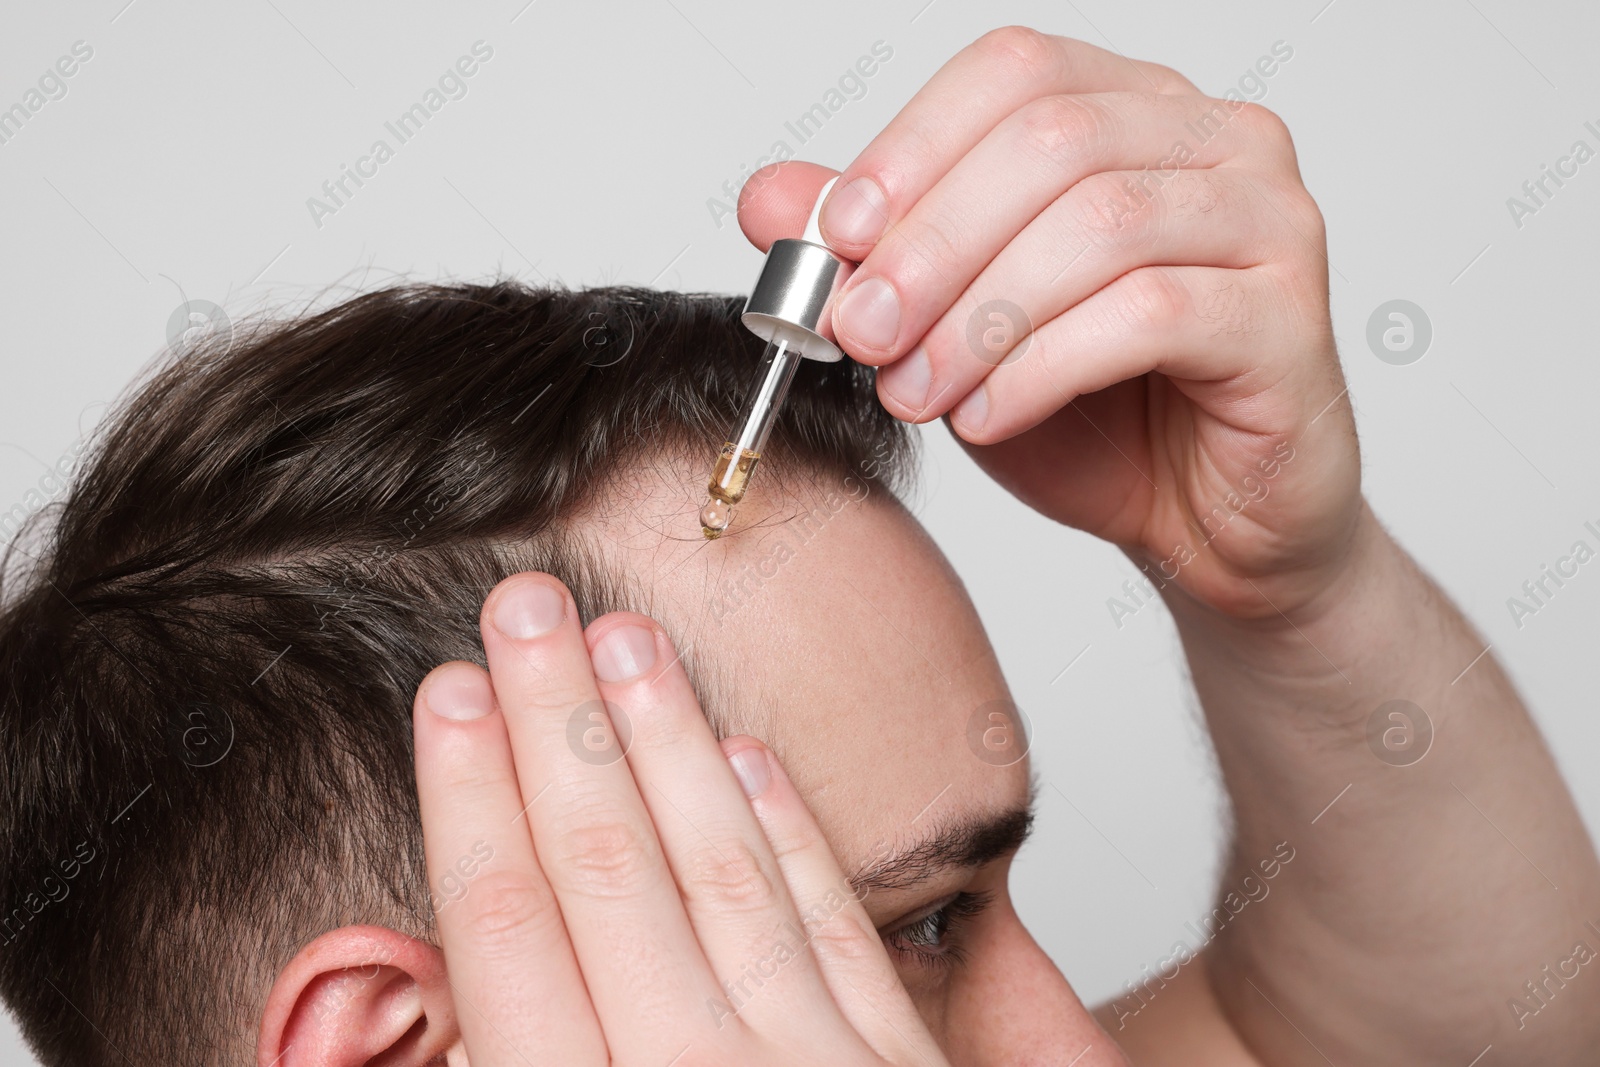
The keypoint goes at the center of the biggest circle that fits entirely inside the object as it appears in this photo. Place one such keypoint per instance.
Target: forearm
(1424, 892)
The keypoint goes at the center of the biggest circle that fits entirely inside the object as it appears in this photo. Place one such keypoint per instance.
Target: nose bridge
(1017, 1009)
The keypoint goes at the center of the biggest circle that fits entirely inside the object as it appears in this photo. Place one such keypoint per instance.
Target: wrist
(1368, 597)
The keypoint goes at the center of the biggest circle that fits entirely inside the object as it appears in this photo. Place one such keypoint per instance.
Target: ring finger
(1210, 326)
(729, 879)
(512, 970)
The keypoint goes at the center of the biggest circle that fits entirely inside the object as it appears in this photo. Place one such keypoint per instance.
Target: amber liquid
(731, 476)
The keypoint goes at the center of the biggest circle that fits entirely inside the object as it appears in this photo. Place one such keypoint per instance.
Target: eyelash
(944, 923)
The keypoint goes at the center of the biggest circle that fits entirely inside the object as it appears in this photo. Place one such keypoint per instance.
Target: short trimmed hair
(209, 651)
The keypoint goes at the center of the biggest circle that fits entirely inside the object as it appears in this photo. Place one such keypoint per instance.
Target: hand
(1172, 385)
(600, 910)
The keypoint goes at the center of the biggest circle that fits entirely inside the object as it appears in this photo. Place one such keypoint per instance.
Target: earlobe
(356, 995)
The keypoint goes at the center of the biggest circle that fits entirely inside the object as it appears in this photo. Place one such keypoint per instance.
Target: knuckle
(1295, 218)
(1307, 216)
(1167, 79)
(1113, 208)
(667, 725)
(506, 907)
(1063, 127)
(1264, 122)
(791, 834)
(730, 877)
(937, 239)
(1157, 299)
(554, 697)
(897, 164)
(606, 858)
(842, 936)
(1020, 49)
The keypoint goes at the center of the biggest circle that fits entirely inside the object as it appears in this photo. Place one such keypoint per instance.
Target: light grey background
(586, 150)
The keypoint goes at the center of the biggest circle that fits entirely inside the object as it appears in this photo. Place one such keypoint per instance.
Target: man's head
(208, 672)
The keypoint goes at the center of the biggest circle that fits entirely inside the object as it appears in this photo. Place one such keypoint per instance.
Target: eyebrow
(967, 842)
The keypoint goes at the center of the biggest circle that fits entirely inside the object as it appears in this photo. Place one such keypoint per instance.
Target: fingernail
(856, 214)
(908, 379)
(529, 608)
(451, 696)
(750, 767)
(973, 411)
(625, 652)
(871, 313)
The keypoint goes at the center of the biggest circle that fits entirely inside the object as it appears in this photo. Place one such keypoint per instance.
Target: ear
(360, 995)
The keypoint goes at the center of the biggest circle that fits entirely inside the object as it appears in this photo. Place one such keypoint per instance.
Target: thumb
(776, 200)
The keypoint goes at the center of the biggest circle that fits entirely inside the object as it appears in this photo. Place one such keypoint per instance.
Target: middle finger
(732, 886)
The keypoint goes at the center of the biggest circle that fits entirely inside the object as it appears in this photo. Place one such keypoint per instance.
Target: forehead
(827, 623)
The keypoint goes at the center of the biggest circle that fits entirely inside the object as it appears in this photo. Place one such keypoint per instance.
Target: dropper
(789, 308)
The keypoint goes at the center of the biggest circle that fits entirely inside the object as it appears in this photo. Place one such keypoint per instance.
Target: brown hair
(206, 676)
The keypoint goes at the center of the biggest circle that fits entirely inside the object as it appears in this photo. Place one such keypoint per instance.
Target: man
(209, 787)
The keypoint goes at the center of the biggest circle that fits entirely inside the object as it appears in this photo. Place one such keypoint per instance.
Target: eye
(932, 938)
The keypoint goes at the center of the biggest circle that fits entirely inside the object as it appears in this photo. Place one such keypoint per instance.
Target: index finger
(982, 84)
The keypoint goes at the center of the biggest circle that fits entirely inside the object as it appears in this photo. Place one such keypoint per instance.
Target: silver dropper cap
(793, 298)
